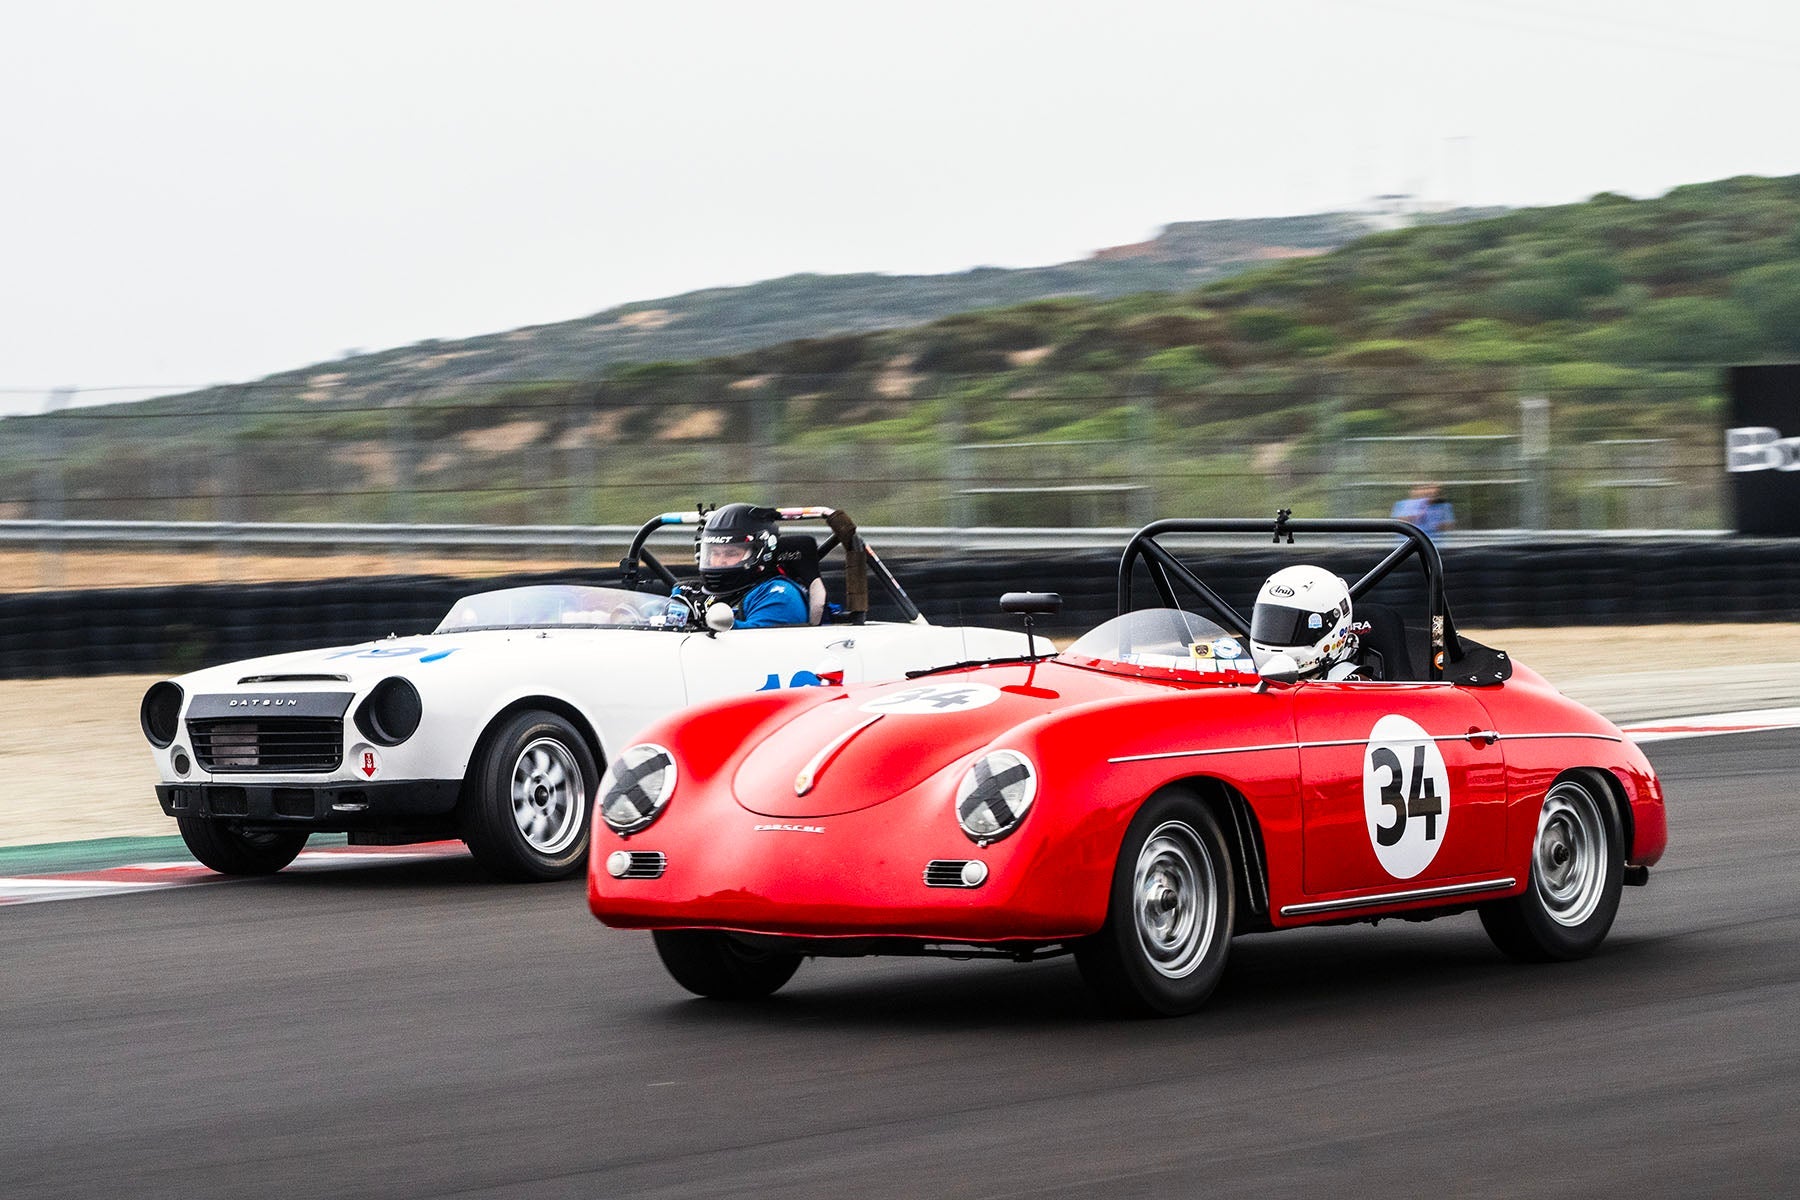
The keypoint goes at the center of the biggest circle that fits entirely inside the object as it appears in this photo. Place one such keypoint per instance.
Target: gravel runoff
(78, 767)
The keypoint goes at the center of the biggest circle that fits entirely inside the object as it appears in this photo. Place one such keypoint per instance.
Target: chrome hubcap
(548, 796)
(1569, 866)
(1173, 885)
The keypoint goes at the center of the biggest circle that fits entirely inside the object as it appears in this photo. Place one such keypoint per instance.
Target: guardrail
(1526, 581)
(599, 537)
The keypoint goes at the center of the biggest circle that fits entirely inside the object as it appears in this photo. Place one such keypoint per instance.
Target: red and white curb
(1753, 720)
(157, 876)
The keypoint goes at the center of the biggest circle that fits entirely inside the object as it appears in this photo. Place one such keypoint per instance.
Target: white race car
(495, 727)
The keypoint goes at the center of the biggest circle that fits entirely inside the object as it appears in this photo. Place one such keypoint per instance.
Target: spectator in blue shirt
(1427, 508)
(737, 567)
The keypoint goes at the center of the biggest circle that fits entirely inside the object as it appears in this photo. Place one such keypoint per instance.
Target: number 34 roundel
(1406, 796)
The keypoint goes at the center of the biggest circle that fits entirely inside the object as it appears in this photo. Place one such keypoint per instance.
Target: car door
(755, 660)
(1400, 789)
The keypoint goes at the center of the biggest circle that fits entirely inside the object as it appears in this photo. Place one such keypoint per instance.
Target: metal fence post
(51, 488)
(1144, 449)
(400, 504)
(1534, 458)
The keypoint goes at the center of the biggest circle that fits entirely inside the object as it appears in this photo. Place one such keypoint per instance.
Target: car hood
(881, 741)
(418, 658)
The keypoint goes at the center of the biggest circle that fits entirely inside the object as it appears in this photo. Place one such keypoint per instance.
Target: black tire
(232, 850)
(1577, 873)
(1169, 916)
(528, 799)
(720, 967)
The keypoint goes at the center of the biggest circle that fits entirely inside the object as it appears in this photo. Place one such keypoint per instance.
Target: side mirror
(1279, 668)
(719, 616)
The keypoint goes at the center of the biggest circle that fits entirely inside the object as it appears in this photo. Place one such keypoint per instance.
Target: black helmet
(737, 548)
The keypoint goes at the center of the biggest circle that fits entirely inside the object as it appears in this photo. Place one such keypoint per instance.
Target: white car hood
(433, 654)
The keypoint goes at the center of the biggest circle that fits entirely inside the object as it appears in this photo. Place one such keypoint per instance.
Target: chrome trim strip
(809, 774)
(1436, 737)
(1127, 758)
(1454, 889)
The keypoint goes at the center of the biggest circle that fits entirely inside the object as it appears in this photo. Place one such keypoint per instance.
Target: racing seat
(797, 554)
(1388, 649)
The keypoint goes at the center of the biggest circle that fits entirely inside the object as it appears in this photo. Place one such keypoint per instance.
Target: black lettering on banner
(1419, 798)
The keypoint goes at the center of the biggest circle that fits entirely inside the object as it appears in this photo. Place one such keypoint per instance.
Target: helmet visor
(1276, 625)
(724, 554)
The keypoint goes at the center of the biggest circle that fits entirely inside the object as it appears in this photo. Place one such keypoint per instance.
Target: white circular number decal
(1406, 796)
(934, 698)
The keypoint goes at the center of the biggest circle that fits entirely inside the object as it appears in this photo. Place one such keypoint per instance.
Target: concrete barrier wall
(170, 629)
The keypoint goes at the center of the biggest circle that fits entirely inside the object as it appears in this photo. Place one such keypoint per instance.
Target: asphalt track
(412, 1030)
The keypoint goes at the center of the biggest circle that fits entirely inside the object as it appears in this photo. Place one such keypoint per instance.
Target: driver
(1304, 612)
(737, 567)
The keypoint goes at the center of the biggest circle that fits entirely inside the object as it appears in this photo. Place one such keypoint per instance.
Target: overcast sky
(208, 192)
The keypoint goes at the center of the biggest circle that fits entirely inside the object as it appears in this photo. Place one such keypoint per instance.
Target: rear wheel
(720, 967)
(230, 849)
(1577, 873)
(1169, 917)
(529, 796)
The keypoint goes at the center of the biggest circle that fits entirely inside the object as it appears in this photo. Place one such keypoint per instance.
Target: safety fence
(1549, 447)
(1541, 581)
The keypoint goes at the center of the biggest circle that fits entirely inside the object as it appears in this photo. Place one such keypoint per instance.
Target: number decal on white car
(1406, 796)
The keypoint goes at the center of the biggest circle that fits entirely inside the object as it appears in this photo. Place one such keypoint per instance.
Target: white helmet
(1303, 612)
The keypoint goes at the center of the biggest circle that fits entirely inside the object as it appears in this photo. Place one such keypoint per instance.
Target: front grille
(269, 744)
(948, 873)
(646, 864)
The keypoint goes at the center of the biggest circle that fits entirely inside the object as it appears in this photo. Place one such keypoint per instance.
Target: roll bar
(860, 559)
(1165, 570)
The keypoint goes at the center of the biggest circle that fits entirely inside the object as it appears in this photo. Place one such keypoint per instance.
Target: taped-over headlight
(160, 713)
(636, 786)
(995, 795)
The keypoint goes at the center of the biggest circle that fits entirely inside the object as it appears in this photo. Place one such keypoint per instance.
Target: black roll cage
(1165, 570)
(860, 559)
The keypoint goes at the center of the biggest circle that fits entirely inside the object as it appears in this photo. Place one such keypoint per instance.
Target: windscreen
(563, 605)
(1167, 638)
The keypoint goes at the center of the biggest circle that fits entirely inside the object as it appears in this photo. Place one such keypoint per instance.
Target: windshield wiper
(975, 662)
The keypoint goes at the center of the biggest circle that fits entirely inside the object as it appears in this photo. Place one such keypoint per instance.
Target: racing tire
(1577, 874)
(1169, 915)
(720, 967)
(230, 850)
(527, 802)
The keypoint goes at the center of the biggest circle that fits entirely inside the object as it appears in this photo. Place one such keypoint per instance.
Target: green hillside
(1228, 397)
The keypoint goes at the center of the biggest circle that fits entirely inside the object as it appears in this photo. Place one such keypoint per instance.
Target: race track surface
(412, 1030)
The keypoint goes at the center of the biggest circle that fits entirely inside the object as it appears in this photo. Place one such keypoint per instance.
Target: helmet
(1303, 612)
(736, 548)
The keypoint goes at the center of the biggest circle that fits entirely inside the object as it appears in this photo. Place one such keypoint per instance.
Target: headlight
(995, 795)
(160, 713)
(636, 786)
(392, 712)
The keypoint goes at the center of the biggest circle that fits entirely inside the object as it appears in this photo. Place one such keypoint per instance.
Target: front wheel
(1169, 917)
(1577, 873)
(528, 797)
(720, 967)
(231, 850)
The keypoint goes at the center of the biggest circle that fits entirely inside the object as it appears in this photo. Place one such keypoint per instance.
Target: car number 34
(1406, 796)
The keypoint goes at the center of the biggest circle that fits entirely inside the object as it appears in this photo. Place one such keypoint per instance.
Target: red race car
(1177, 776)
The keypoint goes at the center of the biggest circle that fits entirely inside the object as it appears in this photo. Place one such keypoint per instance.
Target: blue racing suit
(777, 600)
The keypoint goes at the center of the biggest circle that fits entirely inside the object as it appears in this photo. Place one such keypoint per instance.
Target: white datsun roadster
(495, 727)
